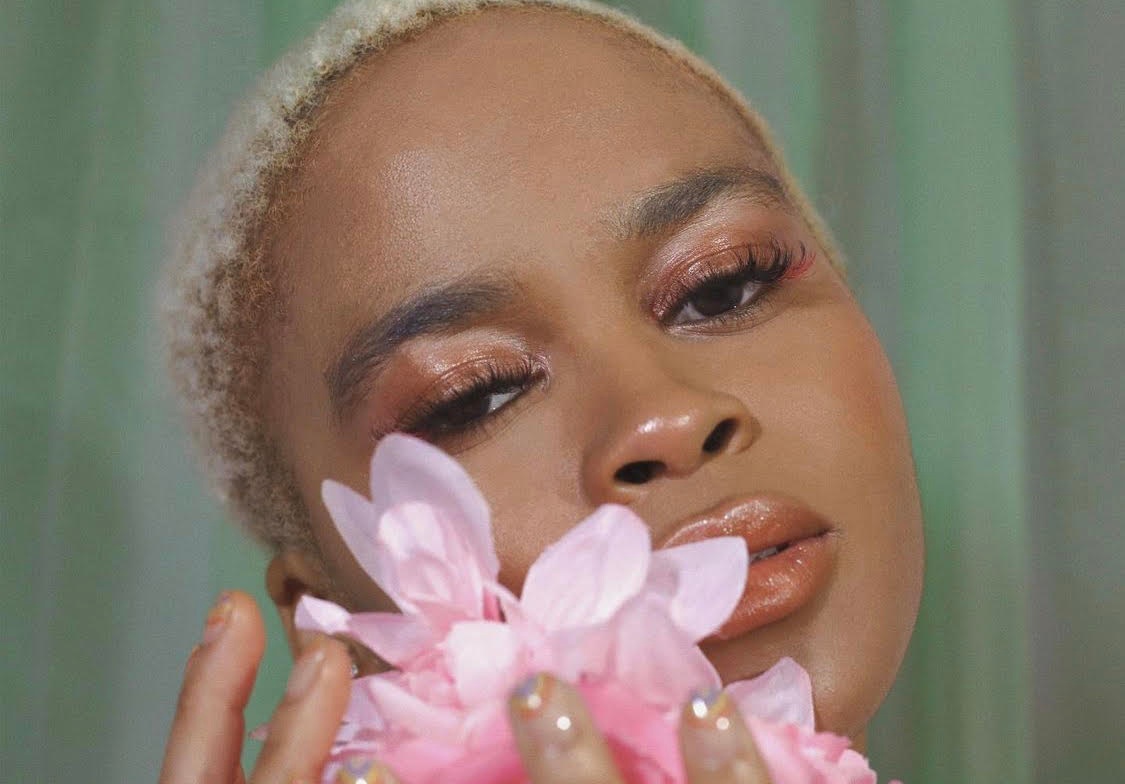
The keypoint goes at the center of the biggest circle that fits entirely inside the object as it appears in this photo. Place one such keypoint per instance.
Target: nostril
(640, 472)
(719, 437)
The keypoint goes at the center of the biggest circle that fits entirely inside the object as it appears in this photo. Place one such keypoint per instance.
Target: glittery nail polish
(360, 770)
(708, 731)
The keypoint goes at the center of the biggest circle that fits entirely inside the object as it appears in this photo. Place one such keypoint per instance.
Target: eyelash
(766, 264)
(484, 380)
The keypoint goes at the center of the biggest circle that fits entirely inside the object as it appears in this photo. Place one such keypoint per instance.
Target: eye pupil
(472, 408)
(718, 297)
(467, 410)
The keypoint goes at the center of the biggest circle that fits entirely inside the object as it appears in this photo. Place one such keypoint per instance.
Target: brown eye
(464, 411)
(719, 297)
(716, 298)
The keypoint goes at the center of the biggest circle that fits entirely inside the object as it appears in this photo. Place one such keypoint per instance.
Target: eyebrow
(669, 206)
(436, 309)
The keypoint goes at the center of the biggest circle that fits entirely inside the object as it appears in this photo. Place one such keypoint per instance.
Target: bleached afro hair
(220, 289)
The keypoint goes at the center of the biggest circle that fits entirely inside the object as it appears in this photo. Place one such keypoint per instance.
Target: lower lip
(778, 586)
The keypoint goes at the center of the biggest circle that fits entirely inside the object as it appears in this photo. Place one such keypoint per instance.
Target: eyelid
(459, 383)
(767, 262)
(672, 294)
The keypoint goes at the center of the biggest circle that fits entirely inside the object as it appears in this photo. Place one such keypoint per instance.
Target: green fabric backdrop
(965, 152)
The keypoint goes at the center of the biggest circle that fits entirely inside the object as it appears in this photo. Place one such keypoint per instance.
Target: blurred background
(968, 154)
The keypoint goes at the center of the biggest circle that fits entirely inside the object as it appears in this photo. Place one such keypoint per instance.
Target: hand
(205, 742)
(559, 743)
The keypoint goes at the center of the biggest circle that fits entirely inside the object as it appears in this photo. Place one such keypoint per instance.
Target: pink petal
(483, 659)
(795, 754)
(421, 760)
(321, 616)
(575, 653)
(362, 714)
(402, 710)
(588, 574)
(627, 720)
(357, 523)
(655, 659)
(706, 580)
(394, 637)
(405, 469)
(499, 764)
(782, 695)
(430, 560)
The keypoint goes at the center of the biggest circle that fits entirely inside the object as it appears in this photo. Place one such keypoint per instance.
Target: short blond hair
(219, 288)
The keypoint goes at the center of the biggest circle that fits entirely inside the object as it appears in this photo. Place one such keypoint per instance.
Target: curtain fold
(966, 155)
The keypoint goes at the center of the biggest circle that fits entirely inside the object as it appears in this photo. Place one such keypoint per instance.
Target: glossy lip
(779, 585)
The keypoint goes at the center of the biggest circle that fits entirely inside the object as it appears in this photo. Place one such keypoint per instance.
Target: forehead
(483, 139)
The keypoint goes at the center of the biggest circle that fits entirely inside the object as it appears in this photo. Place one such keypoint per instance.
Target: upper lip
(762, 520)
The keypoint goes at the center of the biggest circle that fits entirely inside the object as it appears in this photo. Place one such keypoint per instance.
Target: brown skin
(506, 145)
(477, 149)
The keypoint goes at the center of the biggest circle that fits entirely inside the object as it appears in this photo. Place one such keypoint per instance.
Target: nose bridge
(654, 420)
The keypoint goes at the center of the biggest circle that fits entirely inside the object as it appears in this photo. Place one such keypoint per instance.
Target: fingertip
(364, 770)
(556, 736)
(322, 663)
(716, 744)
(305, 722)
(248, 618)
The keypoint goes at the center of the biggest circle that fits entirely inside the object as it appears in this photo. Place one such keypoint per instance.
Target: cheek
(530, 489)
(881, 564)
(834, 434)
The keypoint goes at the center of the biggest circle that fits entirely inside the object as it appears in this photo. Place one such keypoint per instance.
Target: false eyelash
(484, 379)
(766, 264)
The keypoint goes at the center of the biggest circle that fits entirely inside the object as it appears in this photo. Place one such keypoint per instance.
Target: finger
(364, 770)
(205, 741)
(555, 735)
(716, 745)
(306, 721)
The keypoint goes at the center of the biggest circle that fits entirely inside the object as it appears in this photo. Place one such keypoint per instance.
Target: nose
(663, 429)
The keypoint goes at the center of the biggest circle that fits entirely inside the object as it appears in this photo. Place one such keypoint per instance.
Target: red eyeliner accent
(802, 265)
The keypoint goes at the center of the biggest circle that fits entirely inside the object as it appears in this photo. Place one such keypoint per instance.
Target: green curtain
(967, 155)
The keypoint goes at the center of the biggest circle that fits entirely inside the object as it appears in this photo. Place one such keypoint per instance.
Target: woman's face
(566, 262)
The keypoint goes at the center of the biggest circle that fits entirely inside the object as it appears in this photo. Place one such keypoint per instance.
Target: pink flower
(599, 608)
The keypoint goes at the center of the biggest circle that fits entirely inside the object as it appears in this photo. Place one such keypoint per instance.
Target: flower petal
(405, 469)
(782, 694)
(356, 520)
(393, 637)
(431, 563)
(404, 711)
(629, 722)
(321, 616)
(484, 660)
(706, 578)
(655, 658)
(588, 574)
(421, 760)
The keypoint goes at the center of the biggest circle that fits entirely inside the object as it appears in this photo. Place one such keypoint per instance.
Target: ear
(290, 575)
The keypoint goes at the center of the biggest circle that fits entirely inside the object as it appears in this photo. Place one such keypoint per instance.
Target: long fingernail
(217, 618)
(305, 673)
(708, 730)
(537, 705)
(362, 770)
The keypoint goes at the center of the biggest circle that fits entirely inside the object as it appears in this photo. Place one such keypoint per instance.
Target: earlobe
(290, 575)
